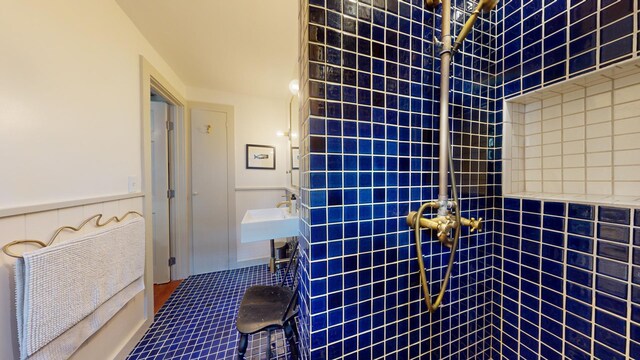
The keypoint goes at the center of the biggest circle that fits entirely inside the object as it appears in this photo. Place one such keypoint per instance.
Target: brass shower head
(483, 5)
(488, 5)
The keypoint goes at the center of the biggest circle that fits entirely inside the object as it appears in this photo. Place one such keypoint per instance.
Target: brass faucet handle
(444, 227)
(475, 224)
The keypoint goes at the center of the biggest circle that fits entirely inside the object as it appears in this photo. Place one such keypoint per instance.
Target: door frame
(181, 208)
(231, 174)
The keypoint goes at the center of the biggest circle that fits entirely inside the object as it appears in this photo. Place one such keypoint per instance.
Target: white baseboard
(252, 262)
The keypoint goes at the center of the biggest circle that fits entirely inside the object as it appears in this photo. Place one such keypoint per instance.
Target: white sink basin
(265, 224)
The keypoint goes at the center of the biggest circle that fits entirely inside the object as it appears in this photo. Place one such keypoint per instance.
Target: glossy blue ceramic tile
(564, 46)
(512, 216)
(579, 324)
(635, 334)
(531, 233)
(380, 100)
(580, 211)
(512, 204)
(554, 208)
(531, 219)
(613, 233)
(611, 304)
(611, 286)
(618, 30)
(610, 283)
(613, 251)
(580, 243)
(582, 63)
(580, 260)
(614, 215)
(554, 223)
(553, 267)
(532, 206)
(635, 274)
(611, 322)
(559, 54)
(586, 42)
(583, 10)
(579, 292)
(612, 341)
(575, 352)
(616, 11)
(579, 308)
(619, 49)
(613, 268)
(553, 238)
(580, 227)
(579, 276)
(552, 253)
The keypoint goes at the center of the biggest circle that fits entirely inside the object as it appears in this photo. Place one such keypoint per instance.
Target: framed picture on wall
(261, 157)
(295, 158)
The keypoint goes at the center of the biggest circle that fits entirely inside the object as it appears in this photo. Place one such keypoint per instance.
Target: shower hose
(432, 306)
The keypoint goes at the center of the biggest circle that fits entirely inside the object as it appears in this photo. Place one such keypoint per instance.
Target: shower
(448, 218)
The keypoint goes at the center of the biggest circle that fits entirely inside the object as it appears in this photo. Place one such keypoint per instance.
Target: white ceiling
(242, 46)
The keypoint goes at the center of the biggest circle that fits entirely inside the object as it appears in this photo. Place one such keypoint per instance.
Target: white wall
(256, 122)
(70, 119)
(69, 100)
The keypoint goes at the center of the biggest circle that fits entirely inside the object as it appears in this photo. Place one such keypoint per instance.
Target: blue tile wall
(572, 298)
(544, 42)
(570, 292)
(369, 150)
(546, 278)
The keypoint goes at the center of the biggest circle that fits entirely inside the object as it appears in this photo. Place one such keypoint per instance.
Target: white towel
(66, 292)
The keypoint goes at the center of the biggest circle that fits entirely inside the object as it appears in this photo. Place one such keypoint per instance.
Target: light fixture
(294, 86)
(280, 133)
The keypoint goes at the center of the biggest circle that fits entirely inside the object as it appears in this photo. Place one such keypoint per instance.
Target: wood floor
(162, 292)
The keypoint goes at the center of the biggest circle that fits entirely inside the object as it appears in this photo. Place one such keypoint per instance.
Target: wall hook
(208, 129)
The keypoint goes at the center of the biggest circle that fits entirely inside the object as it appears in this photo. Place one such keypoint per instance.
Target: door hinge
(171, 194)
(172, 261)
(169, 125)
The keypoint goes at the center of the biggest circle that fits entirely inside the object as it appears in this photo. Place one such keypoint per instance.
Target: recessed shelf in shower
(577, 140)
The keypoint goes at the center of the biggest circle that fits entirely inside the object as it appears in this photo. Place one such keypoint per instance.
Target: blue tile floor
(198, 320)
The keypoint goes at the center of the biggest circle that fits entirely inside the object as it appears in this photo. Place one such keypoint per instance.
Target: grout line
(598, 37)
(593, 284)
(612, 184)
(567, 53)
(584, 141)
(632, 222)
(636, 30)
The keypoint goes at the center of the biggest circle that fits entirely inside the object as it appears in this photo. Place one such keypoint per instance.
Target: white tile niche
(576, 140)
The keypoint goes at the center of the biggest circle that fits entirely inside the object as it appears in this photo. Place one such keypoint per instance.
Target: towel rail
(97, 217)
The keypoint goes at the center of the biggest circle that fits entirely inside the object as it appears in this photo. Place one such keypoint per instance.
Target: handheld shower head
(483, 5)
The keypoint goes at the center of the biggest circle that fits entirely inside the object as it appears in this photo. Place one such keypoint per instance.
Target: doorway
(162, 145)
(173, 171)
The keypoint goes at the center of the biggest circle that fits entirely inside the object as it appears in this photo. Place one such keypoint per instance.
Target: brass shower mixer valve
(442, 224)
